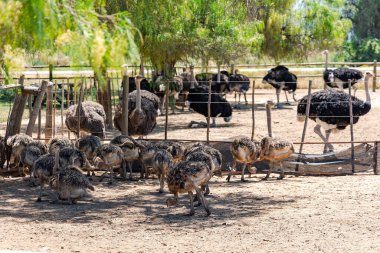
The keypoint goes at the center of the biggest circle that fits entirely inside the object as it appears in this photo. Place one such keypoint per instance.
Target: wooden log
(109, 107)
(351, 126)
(79, 107)
(125, 108)
(15, 118)
(208, 112)
(36, 108)
(166, 108)
(68, 100)
(62, 105)
(49, 113)
(306, 119)
(253, 110)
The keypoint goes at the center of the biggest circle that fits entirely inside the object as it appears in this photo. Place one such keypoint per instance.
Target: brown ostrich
(275, 151)
(88, 145)
(109, 155)
(142, 111)
(243, 151)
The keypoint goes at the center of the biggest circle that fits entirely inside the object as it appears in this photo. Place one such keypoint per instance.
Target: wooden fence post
(124, 115)
(253, 110)
(375, 154)
(109, 98)
(79, 106)
(36, 108)
(374, 76)
(49, 113)
(166, 108)
(268, 107)
(351, 127)
(306, 120)
(208, 111)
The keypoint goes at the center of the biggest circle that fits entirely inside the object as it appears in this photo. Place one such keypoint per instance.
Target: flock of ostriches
(186, 168)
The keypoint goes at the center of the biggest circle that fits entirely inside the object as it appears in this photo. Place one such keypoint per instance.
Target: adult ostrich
(281, 79)
(197, 99)
(330, 110)
(338, 78)
(142, 111)
(238, 83)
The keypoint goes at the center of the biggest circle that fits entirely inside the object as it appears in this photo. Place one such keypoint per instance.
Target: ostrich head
(236, 71)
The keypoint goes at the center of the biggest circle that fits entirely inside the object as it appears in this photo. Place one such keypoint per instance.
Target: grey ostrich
(30, 154)
(57, 143)
(339, 78)
(70, 185)
(142, 111)
(88, 145)
(189, 176)
(109, 155)
(243, 151)
(330, 110)
(91, 117)
(275, 150)
(16, 143)
(162, 161)
(43, 171)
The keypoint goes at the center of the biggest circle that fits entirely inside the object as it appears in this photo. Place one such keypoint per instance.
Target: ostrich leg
(192, 211)
(278, 91)
(242, 172)
(213, 124)
(286, 96)
(328, 147)
(232, 169)
(317, 130)
(202, 199)
(282, 174)
(269, 170)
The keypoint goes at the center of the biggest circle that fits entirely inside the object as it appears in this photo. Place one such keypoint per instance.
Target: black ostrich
(197, 99)
(330, 110)
(338, 78)
(218, 86)
(238, 83)
(281, 79)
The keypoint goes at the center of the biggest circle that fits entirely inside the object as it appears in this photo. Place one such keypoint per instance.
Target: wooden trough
(338, 163)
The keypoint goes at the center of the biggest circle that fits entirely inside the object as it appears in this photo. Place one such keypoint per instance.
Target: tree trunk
(15, 118)
(36, 108)
(104, 98)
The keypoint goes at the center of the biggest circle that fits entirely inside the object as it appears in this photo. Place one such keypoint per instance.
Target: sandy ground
(297, 214)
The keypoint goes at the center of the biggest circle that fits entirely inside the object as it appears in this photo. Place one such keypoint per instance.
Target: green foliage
(363, 42)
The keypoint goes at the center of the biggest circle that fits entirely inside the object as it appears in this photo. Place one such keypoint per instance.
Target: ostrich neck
(367, 96)
(326, 60)
(193, 81)
(138, 96)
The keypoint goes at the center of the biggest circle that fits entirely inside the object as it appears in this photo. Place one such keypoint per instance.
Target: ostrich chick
(88, 145)
(275, 151)
(162, 161)
(70, 184)
(187, 176)
(109, 155)
(43, 171)
(243, 151)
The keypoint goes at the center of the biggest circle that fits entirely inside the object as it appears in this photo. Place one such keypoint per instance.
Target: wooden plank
(36, 108)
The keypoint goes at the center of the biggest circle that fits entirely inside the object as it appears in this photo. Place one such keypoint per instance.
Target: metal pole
(166, 108)
(351, 127)
(253, 110)
(208, 111)
(306, 120)
(375, 153)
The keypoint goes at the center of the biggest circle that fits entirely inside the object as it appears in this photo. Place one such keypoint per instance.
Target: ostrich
(217, 86)
(187, 176)
(339, 78)
(57, 143)
(244, 151)
(109, 155)
(197, 99)
(281, 79)
(175, 87)
(142, 112)
(88, 145)
(275, 151)
(30, 154)
(70, 184)
(43, 171)
(15, 144)
(162, 161)
(131, 150)
(238, 83)
(330, 110)
(91, 117)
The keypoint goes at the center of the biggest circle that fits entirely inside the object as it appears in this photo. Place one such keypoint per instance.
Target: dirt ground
(297, 214)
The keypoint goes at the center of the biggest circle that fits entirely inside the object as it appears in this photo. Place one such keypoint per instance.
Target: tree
(363, 41)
